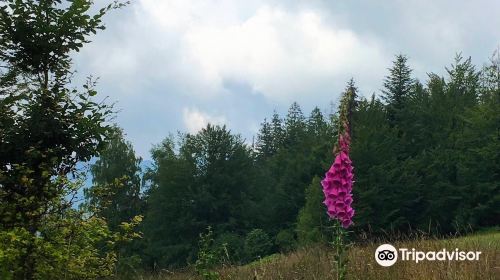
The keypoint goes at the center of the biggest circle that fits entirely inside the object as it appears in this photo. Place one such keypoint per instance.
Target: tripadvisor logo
(387, 255)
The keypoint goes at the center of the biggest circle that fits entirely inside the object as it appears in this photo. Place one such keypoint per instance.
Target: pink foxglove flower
(337, 185)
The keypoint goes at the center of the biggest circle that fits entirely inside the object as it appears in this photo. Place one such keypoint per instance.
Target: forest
(419, 149)
(426, 155)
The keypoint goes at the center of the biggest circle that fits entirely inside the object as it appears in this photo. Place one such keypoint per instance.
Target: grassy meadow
(316, 263)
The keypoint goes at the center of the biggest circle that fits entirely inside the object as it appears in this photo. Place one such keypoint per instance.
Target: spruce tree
(295, 125)
(277, 131)
(265, 146)
(316, 124)
(397, 87)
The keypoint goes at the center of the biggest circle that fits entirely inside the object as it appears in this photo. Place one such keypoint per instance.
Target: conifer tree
(397, 87)
(278, 131)
(316, 124)
(295, 125)
(265, 145)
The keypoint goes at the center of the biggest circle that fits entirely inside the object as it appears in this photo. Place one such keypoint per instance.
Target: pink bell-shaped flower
(337, 184)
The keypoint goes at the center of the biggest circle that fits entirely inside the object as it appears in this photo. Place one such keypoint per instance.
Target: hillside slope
(315, 263)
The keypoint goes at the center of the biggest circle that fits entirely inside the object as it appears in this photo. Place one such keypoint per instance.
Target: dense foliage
(426, 158)
(47, 127)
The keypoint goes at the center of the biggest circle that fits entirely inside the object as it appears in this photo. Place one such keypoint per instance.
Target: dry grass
(316, 263)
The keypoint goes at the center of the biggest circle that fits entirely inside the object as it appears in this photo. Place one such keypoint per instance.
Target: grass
(316, 263)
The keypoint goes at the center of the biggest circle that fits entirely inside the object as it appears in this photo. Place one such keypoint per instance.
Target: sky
(173, 65)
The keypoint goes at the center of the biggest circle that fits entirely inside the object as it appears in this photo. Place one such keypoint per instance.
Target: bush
(257, 244)
(73, 251)
(285, 240)
(208, 258)
(312, 217)
(231, 246)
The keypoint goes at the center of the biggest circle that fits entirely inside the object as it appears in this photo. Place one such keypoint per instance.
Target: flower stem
(340, 248)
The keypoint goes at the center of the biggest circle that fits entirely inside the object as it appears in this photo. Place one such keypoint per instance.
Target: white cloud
(194, 46)
(195, 120)
(281, 54)
(246, 58)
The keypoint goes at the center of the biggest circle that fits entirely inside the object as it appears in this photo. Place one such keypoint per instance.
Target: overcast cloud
(178, 65)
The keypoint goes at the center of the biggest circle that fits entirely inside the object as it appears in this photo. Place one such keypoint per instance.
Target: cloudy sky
(178, 65)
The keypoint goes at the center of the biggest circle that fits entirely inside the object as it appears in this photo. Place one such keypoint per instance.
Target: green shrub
(208, 258)
(257, 244)
(312, 218)
(285, 240)
(231, 247)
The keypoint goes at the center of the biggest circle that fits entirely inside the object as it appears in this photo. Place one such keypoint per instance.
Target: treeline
(426, 157)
